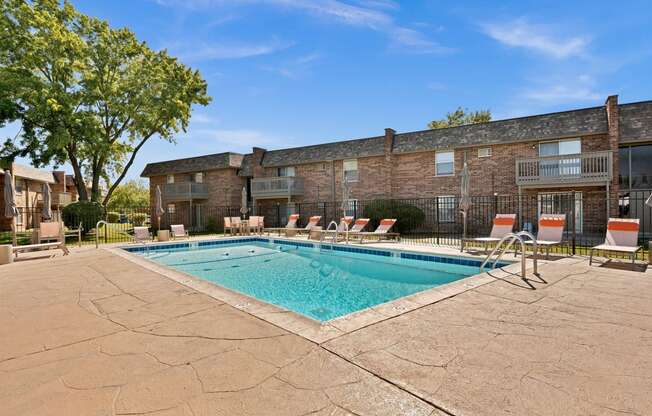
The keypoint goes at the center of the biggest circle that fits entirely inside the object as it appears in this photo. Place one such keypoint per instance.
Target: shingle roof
(547, 126)
(194, 164)
(28, 172)
(372, 146)
(246, 168)
(636, 122)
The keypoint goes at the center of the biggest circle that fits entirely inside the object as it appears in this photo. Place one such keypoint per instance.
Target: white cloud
(237, 140)
(572, 90)
(370, 14)
(296, 67)
(228, 50)
(520, 33)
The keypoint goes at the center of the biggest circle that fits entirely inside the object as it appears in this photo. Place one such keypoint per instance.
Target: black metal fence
(430, 221)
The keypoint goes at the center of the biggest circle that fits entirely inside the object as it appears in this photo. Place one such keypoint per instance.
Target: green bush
(213, 225)
(85, 212)
(408, 216)
(112, 216)
(138, 218)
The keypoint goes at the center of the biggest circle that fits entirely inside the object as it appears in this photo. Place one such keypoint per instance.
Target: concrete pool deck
(94, 334)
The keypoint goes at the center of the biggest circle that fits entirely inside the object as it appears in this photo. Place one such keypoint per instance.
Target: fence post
(355, 208)
(437, 219)
(278, 214)
(574, 213)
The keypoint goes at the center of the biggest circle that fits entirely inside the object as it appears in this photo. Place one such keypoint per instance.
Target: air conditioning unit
(484, 152)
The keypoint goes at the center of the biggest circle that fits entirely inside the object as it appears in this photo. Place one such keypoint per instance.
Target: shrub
(408, 216)
(138, 218)
(85, 212)
(113, 216)
(212, 225)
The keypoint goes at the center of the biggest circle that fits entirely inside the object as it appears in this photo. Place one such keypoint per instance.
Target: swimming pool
(320, 283)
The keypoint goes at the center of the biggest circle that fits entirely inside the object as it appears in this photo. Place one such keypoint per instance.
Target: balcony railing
(184, 191)
(61, 198)
(276, 187)
(577, 169)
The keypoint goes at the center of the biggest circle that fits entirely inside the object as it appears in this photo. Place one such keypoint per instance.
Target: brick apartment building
(606, 148)
(28, 183)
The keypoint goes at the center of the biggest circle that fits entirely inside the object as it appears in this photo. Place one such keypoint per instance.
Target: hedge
(85, 212)
(409, 217)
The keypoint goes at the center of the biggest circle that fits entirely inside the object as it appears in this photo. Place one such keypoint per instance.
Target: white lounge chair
(503, 225)
(142, 235)
(178, 231)
(622, 237)
(291, 225)
(550, 233)
(312, 222)
(341, 231)
(256, 224)
(52, 233)
(381, 232)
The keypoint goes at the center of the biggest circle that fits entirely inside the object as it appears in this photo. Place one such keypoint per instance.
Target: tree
(460, 117)
(131, 194)
(88, 94)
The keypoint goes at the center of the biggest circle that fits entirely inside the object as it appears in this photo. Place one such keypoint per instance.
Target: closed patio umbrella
(243, 202)
(158, 206)
(47, 203)
(10, 203)
(465, 199)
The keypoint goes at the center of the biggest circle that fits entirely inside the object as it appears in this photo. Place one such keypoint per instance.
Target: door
(562, 203)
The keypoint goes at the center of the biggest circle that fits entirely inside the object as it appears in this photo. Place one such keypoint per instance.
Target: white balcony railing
(577, 169)
(183, 191)
(276, 187)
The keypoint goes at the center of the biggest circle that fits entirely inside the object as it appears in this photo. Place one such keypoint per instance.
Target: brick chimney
(385, 176)
(60, 178)
(613, 128)
(389, 142)
(257, 162)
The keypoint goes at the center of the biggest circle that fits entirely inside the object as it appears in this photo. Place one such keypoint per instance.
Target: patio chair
(312, 222)
(256, 224)
(503, 225)
(356, 229)
(381, 232)
(142, 235)
(550, 233)
(622, 237)
(236, 225)
(178, 231)
(340, 231)
(291, 225)
(227, 225)
(52, 233)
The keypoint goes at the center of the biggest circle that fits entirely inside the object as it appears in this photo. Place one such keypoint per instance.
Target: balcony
(61, 198)
(185, 191)
(591, 168)
(276, 187)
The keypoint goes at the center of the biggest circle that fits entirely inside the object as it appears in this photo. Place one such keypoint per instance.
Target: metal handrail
(323, 235)
(97, 231)
(512, 238)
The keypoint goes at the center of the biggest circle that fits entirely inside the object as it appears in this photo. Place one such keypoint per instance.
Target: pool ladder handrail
(323, 235)
(97, 231)
(511, 238)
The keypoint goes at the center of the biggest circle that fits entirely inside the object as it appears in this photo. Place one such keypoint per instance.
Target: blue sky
(286, 73)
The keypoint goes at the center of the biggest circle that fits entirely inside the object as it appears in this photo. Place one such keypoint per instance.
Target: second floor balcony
(184, 191)
(590, 168)
(276, 187)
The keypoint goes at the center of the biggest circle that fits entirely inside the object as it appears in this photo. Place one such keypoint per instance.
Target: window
(444, 163)
(351, 170)
(19, 217)
(560, 147)
(172, 209)
(484, 152)
(286, 171)
(446, 208)
(19, 186)
(170, 179)
(556, 167)
(198, 177)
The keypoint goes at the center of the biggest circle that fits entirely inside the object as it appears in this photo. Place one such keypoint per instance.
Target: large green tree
(86, 93)
(460, 117)
(131, 194)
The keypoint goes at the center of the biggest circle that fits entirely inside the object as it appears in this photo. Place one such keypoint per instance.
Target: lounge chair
(622, 237)
(550, 233)
(503, 225)
(178, 231)
(52, 233)
(312, 222)
(291, 225)
(356, 229)
(142, 235)
(227, 225)
(381, 232)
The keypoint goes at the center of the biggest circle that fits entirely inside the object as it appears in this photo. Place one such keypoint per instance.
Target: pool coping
(304, 326)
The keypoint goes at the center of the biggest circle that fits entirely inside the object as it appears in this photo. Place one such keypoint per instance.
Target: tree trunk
(79, 178)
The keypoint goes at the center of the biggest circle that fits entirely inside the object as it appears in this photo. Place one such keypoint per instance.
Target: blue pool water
(319, 284)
